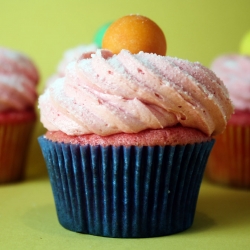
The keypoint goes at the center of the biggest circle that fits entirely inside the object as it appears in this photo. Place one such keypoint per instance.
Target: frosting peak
(106, 94)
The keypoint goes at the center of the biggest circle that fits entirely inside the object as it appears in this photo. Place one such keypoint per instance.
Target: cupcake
(18, 81)
(127, 141)
(229, 162)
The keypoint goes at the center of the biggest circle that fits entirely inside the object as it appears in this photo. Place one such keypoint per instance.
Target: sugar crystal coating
(127, 93)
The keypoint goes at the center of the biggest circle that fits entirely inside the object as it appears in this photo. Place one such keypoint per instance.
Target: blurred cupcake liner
(229, 162)
(125, 191)
(14, 145)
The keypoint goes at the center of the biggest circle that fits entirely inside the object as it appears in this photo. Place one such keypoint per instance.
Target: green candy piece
(100, 34)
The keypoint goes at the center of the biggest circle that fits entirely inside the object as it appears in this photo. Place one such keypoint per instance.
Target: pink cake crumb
(168, 136)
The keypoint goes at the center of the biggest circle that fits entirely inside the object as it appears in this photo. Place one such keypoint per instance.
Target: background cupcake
(75, 53)
(18, 81)
(69, 56)
(129, 136)
(229, 162)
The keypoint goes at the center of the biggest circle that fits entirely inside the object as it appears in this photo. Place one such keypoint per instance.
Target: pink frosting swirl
(234, 71)
(18, 81)
(107, 94)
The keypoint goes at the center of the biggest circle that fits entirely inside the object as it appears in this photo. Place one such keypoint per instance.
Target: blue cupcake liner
(123, 191)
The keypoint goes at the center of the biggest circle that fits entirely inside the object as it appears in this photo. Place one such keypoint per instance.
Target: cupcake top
(107, 94)
(234, 71)
(114, 90)
(18, 81)
(69, 56)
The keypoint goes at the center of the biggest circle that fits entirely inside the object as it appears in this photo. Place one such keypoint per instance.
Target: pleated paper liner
(229, 162)
(14, 143)
(125, 191)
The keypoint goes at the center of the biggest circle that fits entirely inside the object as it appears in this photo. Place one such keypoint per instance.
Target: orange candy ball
(135, 33)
